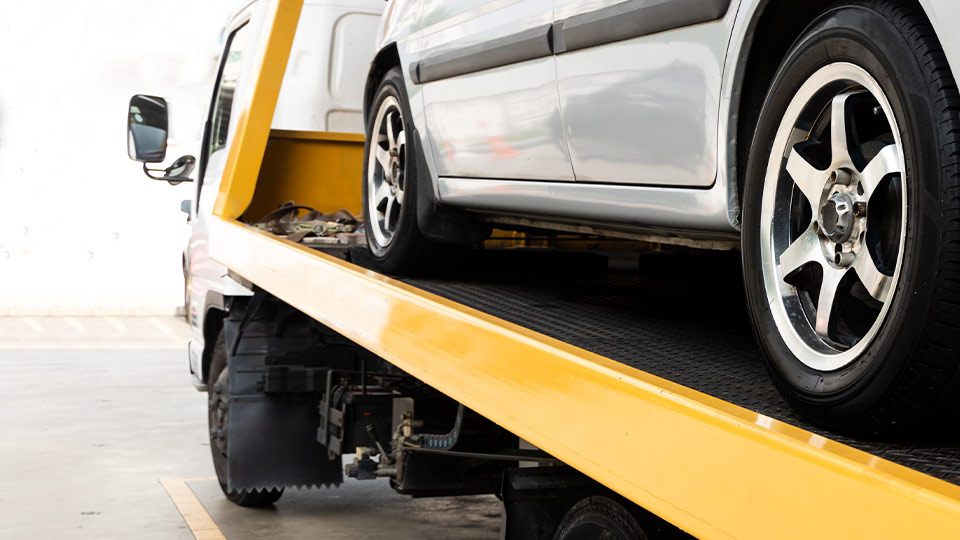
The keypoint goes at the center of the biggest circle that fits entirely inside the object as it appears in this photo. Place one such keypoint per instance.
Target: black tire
(907, 379)
(408, 251)
(594, 518)
(218, 392)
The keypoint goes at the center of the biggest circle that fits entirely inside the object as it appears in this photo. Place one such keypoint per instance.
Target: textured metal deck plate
(680, 317)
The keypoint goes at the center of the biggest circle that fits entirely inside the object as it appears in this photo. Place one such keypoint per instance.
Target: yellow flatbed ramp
(675, 412)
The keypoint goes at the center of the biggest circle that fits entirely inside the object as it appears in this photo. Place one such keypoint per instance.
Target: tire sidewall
(600, 511)
(864, 37)
(218, 363)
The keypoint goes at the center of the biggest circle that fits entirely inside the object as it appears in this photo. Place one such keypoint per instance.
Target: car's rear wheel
(391, 181)
(852, 222)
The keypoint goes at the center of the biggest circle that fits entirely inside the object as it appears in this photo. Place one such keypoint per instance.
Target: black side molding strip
(632, 19)
(520, 47)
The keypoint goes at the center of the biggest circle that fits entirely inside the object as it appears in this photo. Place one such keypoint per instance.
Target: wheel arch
(212, 325)
(773, 27)
(771, 30)
(384, 61)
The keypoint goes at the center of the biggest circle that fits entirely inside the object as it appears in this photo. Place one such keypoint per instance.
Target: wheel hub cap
(836, 217)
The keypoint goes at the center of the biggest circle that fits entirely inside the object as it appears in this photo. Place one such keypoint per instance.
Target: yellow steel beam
(712, 468)
(256, 111)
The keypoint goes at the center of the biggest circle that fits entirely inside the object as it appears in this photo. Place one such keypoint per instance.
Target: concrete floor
(95, 413)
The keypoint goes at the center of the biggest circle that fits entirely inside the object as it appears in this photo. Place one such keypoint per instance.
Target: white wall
(82, 230)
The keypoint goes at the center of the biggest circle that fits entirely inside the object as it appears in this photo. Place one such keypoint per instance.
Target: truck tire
(218, 392)
(390, 183)
(851, 237)
(596, 518)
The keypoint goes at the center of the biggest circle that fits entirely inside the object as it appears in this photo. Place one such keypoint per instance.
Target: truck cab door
(206, 274)
(639, 86)
(489, 89)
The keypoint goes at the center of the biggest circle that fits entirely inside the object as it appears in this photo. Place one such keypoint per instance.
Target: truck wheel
(596, 518)
(390, 182)
(218, 394)
(851, 238)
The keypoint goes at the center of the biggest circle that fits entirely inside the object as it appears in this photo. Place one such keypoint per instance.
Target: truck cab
(332, 52)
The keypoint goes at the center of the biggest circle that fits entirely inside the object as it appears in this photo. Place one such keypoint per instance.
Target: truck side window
(226, 88)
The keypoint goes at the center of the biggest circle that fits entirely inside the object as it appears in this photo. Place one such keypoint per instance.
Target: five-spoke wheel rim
(833, 217)
(386, 170)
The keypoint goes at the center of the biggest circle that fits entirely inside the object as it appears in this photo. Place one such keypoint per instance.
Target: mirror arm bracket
(172, 180)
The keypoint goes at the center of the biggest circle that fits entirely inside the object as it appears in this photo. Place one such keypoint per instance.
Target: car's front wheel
(852, 223)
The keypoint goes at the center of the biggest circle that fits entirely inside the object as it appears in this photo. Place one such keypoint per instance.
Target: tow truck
(592, 389)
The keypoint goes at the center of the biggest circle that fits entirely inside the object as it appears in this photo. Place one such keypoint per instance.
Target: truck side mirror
(147, 139)
(147, 129)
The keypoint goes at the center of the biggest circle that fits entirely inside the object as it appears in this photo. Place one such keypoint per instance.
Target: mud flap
(271, 439)
(442, 223)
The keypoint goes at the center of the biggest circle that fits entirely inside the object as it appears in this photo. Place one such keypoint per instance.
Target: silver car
(821, 138)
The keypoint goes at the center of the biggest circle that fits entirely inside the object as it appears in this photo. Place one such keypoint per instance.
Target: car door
(639, 85)
(489, 88)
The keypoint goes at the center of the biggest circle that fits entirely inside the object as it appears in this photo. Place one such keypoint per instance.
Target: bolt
(859, 209)
(841, 176)
(877, 111)
(844, 259)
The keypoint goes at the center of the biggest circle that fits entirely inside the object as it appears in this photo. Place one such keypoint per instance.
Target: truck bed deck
(681, 317)
(642, 375)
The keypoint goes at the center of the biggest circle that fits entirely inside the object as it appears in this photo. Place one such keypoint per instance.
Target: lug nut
(859, 209)
(816, 227)
(841, 176)
(844, 258)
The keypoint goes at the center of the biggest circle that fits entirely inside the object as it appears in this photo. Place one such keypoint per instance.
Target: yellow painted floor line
(76, 325)
(194, 514)
(122, 328)
(92, 346)
(37, 327)
(167, 331)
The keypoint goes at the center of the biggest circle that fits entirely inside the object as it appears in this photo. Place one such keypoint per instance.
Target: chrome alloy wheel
(386, 171)
(833, 217)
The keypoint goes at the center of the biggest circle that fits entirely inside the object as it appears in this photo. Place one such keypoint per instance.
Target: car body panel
(673, 209)
(710, 201)
(503, 122)
(714, 207)
(652, 120)
(944, 16)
